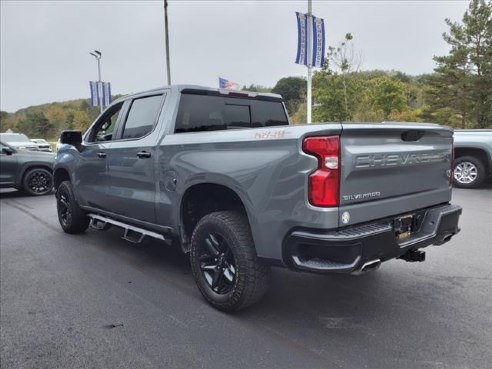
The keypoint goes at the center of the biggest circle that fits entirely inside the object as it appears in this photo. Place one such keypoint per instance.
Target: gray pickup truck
(472, 157)
(224, 175)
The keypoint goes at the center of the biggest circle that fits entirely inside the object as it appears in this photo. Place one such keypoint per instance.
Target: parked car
(225, 176)
(42, 144)
(472, 157)
(18, 141)
(31, 171)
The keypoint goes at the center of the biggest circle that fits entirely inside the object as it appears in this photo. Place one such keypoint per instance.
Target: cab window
(105, 129)
(142, 117)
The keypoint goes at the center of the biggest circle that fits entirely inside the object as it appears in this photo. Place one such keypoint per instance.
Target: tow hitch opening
(413, 255)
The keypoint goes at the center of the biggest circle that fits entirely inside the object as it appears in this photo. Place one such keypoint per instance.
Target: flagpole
(309, 61)
(167, 44)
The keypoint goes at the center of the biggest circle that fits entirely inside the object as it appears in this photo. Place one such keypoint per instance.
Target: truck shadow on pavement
(324, 298)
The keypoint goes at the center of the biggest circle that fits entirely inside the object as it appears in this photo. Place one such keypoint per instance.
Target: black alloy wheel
(224, 263)
(64, 209)
(217, 263)
(71, 217)
(38, 182)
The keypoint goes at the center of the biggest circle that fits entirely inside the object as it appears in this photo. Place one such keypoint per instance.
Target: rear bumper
(346, 250)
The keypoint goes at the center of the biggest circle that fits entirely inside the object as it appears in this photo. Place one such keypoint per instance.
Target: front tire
(469, 172)
(38, 182)
(71, 217)
(224, 262)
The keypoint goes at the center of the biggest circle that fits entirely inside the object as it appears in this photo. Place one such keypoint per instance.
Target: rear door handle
(101, 155)
(143, 154)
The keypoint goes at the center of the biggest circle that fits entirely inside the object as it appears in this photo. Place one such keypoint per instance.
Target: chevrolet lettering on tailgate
(395, 159)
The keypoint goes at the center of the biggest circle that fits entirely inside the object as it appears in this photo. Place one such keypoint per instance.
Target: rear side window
(267, 113)
(142, 116)
(199, 113)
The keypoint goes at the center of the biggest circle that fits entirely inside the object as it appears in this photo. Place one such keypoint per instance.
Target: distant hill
(47, 120)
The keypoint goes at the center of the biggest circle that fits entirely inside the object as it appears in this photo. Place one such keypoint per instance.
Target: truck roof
(181, 87)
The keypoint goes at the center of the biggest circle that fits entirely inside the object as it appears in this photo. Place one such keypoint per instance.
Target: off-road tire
(478, 168)
(76, 221)
(251, 279)
(37, 182)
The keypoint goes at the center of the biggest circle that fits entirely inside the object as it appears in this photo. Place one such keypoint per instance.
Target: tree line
(48, 120)
(458, 93)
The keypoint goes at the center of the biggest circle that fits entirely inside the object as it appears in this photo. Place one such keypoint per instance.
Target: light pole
(97, 54)
(309, 101)
(166, 31)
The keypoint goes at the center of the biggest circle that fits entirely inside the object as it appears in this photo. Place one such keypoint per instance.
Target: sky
(45, 45)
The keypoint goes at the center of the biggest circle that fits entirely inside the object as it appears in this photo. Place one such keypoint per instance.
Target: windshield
(19, 137)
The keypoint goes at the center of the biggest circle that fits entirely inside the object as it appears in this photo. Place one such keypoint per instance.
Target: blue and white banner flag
(227, 84)
(100, 93)
(106, 93)
(94, 93)
(302, 40)
(318, 42)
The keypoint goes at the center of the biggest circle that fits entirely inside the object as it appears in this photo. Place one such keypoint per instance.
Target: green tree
(5, 121)
(337, 88)
(84, 105)
(388, 95)
(300, 116)
(293, 90)
(81, 120)
(256, 88)
(336, 96)
(35, 124)
(69, 118)
(56, 115)
(462, 84)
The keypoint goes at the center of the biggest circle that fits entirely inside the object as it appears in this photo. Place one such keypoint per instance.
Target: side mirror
(71, 138)
(7, 151)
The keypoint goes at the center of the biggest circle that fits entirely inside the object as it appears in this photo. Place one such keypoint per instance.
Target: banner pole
(99, 85)
(309, 56)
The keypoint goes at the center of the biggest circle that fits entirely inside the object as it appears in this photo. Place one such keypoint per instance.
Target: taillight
(324, 183)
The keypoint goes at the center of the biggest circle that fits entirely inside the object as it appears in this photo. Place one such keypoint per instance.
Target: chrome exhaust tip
(370, 266)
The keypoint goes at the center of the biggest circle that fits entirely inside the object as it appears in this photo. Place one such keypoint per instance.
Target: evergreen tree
(463, 81)
(293, 90)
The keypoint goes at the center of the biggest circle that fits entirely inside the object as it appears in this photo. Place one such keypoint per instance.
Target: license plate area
(405, 225)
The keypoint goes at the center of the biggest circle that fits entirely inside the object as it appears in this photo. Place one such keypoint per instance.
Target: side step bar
(132, 234)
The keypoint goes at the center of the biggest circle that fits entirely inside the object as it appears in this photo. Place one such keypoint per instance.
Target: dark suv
(31, 171)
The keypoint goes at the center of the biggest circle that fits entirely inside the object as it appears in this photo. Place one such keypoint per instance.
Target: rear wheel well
(203, 199)
(476, 153)
(60, 176)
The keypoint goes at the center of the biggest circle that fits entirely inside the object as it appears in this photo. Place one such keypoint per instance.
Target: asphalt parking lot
(96, 301)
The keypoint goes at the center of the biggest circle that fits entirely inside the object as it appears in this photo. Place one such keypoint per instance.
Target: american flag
(227, 84)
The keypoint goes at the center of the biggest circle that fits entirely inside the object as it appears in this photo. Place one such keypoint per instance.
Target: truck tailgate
(390, 168)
